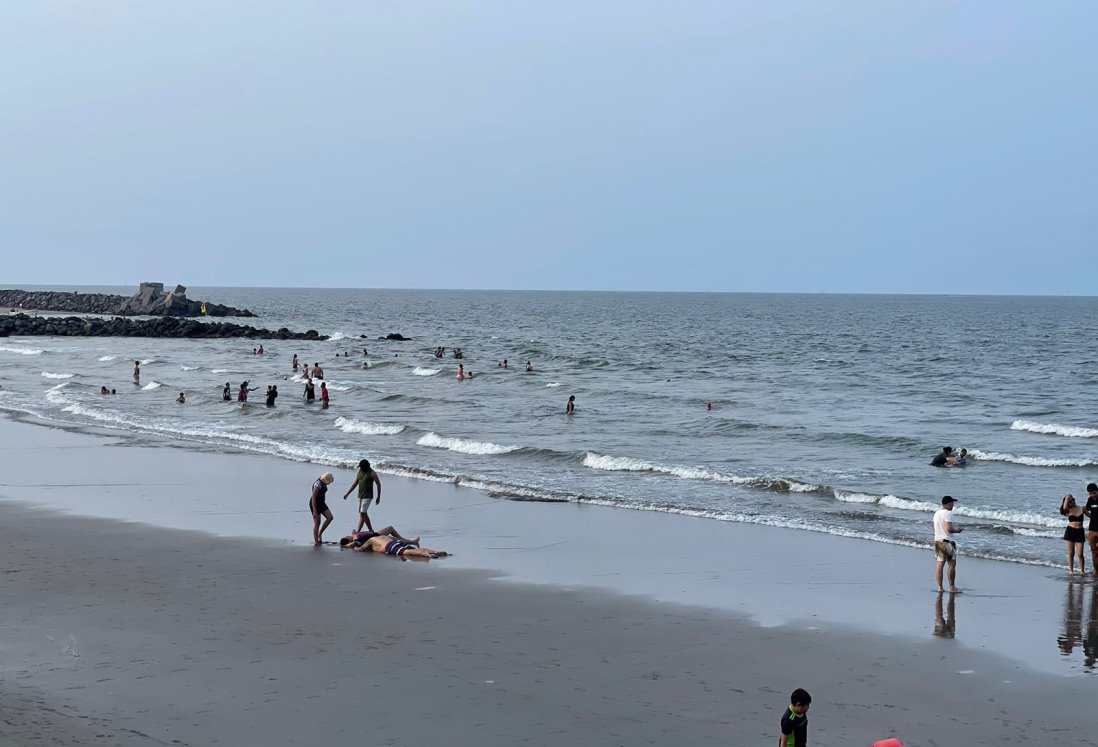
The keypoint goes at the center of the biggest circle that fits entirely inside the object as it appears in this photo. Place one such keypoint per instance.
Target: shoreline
(742, 569)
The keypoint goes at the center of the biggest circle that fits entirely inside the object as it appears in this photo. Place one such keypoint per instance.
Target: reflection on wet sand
(1077, 629)
(945, 620)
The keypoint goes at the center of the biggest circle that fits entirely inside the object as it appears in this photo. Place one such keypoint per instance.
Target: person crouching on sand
(318, 506)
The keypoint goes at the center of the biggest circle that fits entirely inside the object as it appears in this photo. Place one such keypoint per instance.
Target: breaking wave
(50, 375)
(350, 425)
(464, 446)
(629, 464)
(21, 351)
(426, 371)
(992, 456)
(1052, 429)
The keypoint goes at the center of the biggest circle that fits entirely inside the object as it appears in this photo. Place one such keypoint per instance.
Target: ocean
(826, 409)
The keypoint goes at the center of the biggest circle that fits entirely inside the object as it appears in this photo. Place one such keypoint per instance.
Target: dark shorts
(396, 547)
(1075, 534)
(321, 507)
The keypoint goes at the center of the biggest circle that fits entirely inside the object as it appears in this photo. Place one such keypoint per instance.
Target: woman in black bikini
(1074, 535)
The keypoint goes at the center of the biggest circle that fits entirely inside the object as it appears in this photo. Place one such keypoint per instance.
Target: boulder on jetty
(150, 300)
(74, 326)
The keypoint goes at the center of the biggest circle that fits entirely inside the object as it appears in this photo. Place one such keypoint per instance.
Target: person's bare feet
(955, 590)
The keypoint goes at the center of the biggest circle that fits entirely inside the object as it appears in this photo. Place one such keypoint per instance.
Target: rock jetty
(150, 300)
(74, 326)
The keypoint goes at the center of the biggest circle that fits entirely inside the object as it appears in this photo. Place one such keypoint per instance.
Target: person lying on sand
(358, 537)
(384, 543)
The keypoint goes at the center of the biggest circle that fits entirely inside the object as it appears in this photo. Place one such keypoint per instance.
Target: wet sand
(125, 633)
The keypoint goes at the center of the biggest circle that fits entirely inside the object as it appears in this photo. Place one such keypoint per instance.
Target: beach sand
(553, 624)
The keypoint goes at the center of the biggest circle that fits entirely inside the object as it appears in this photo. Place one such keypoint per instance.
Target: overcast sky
(844, 146)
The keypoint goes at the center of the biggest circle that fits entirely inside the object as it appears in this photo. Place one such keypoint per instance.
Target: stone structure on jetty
(150, 300)
(73, 326)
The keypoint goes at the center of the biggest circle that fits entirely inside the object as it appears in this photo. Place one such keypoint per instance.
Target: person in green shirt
(365, 481)
(795, 720)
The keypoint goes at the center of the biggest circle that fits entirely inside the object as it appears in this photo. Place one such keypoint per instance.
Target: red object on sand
(889, 743)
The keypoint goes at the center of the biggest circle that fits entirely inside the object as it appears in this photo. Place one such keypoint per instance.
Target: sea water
(826, 409)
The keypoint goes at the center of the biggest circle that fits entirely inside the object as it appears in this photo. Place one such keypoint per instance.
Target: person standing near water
(227, 393)
(295, 362)
(461, 372)
(571, 408)
(137, 372)
(945, 549)
(1074, 534)
(324, 395)
(310, 391)
(365, 481)
(272, 395)
(1092, 530)
(318, 506)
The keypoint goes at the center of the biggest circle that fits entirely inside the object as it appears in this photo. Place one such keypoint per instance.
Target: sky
(849, 146)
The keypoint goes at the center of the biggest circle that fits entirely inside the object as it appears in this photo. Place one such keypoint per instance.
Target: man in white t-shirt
(945, 549)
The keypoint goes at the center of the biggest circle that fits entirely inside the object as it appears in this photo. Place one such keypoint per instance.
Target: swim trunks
(396, 547)
(364, 505)
(945, 550)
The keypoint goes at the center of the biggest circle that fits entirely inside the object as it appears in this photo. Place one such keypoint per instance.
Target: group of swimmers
(440, 352)
(387, 541)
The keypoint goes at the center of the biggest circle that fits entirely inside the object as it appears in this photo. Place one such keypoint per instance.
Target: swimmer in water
(708, 405)
(461, 372)
(227, 393)
(571, 408)
(324, 395)
(136, 371)
(529, 367)
(104, 390)
(181, 399)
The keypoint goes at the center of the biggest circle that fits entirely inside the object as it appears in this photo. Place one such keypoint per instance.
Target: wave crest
(50, 375)
(993, 456)
(1052, 429)
(426, 371)
(350, 425)
(464, 446)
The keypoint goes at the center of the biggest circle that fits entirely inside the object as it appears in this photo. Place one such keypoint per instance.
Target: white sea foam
(1070, 431)
(21, 351)
(188, 368)
(906, 504)
(426, 371)
(50, 375)
(104, 358)
(993, 456)
(630, 464)
(220, 370)
(152, 385)
(148, 361)
(350, 425)
(552, 385)
(846, 497)
(1027, 532)
(464, 446)
(337, 336)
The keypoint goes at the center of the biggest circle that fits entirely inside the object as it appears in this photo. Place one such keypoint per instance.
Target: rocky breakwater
(150, 300)
(74, 326)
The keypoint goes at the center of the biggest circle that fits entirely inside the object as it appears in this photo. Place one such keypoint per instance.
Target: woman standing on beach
(1074, 535)
(318, 506)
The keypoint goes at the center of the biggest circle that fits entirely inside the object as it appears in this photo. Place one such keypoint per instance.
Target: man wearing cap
(945, 549)
(318, 506)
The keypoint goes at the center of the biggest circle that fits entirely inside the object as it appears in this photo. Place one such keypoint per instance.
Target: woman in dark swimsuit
(1074, 535)
(318, 506)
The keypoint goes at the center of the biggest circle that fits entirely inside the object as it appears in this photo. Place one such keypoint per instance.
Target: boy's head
(799, 701)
